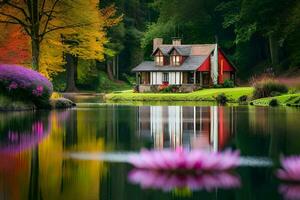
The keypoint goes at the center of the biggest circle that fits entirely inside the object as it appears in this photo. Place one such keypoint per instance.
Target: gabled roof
(186, 50)
(192, 63)
(164, 49)
(183, 50)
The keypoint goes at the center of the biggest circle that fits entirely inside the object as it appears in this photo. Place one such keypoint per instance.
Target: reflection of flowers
(18, 142)
(183, 160)
(167, 181)
(291, 192)
(290, 169)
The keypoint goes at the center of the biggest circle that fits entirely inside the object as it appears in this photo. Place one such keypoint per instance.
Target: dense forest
(258, 35)
(95, 50)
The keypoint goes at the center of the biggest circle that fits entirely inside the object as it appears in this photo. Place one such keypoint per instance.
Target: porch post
(195, 78)
(201, 82)
(137, 78)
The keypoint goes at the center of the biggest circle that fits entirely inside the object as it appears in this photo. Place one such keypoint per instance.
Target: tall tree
(125, 38)
(87, 42)
(38, 18)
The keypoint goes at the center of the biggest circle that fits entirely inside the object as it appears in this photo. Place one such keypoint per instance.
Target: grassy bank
(284, 100)
(202, 95)
(8, 104)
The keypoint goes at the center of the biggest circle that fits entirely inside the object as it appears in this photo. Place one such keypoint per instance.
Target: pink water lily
(182, 160)
(290, 192)
(149, 179)
(290, 169)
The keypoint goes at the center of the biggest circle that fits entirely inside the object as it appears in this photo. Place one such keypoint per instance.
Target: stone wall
(155, 88)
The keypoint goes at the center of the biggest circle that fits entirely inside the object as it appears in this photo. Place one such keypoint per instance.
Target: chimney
(157, 42)
(176, 41)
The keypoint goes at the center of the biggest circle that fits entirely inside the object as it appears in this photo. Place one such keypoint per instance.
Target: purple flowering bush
(25, 84)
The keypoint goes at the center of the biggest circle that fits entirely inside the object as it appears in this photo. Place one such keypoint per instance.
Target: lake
(37, 151)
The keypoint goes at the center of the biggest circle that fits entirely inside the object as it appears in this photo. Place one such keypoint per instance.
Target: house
(189, 67)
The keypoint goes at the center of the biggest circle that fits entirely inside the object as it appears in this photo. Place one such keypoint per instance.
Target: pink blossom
(149, 179)
(38, 91)
(169, 160)
(13, 86)
(290, 169)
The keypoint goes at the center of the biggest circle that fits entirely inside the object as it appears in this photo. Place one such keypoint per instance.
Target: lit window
(175, 60)
(159, 60)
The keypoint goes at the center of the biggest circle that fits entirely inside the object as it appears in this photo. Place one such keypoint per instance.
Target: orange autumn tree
(14, 46)
(44, 21)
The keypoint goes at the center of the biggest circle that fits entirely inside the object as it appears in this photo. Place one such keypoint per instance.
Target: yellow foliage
(56, 95)
(88, 36)
(84, 23)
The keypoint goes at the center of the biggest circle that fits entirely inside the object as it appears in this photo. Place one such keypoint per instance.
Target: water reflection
(19, 133)
(290, 191)
(33, 144)
(192, 127)
(148, 179)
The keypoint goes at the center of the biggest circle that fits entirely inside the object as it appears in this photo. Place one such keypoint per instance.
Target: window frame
(165, 77)
(159, 59)
(175, 58)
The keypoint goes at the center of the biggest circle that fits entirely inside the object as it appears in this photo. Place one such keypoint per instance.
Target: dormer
(159, 57)
(175, 58)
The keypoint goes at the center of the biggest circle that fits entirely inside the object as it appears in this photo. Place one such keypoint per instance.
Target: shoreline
(128, 97)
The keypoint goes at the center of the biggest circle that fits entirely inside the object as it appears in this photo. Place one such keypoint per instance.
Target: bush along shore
(24, 89)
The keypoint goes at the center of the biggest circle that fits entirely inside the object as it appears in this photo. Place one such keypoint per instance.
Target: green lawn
(288, 99)
(202, 95)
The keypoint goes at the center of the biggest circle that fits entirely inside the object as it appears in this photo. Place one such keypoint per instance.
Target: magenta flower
(27, 81)
(12, 86)
(290, 192)
(149, 179)
(169, 160)
(38, 91)
(290, 169)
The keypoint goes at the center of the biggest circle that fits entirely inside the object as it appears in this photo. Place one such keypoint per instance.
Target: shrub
(273, 102)
(221, 99)
(228, 84)
(22, 83)
(217, 86)
(243, 99)
(169, 89)
(275, 94)
(267, 87)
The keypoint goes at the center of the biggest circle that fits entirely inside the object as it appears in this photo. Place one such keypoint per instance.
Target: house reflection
(193, 127)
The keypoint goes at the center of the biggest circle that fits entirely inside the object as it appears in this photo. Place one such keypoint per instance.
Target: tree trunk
(33, 7)
(35, 45)
(109, 69)
(274, 48)
(70, 68)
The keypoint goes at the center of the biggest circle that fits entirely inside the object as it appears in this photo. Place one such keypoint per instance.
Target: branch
(42, 10)
(18, 8)
(15, 23)
(63, 27)
(8, 22)
(16, 19)
(49, 18)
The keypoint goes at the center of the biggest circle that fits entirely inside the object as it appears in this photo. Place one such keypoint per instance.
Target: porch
(188, 78)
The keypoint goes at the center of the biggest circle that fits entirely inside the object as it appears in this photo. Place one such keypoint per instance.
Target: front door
(205, 78)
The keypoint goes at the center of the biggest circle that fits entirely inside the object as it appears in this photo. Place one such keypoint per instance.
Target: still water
(34, 149)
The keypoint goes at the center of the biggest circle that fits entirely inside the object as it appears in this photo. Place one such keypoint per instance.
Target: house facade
(189, 67)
